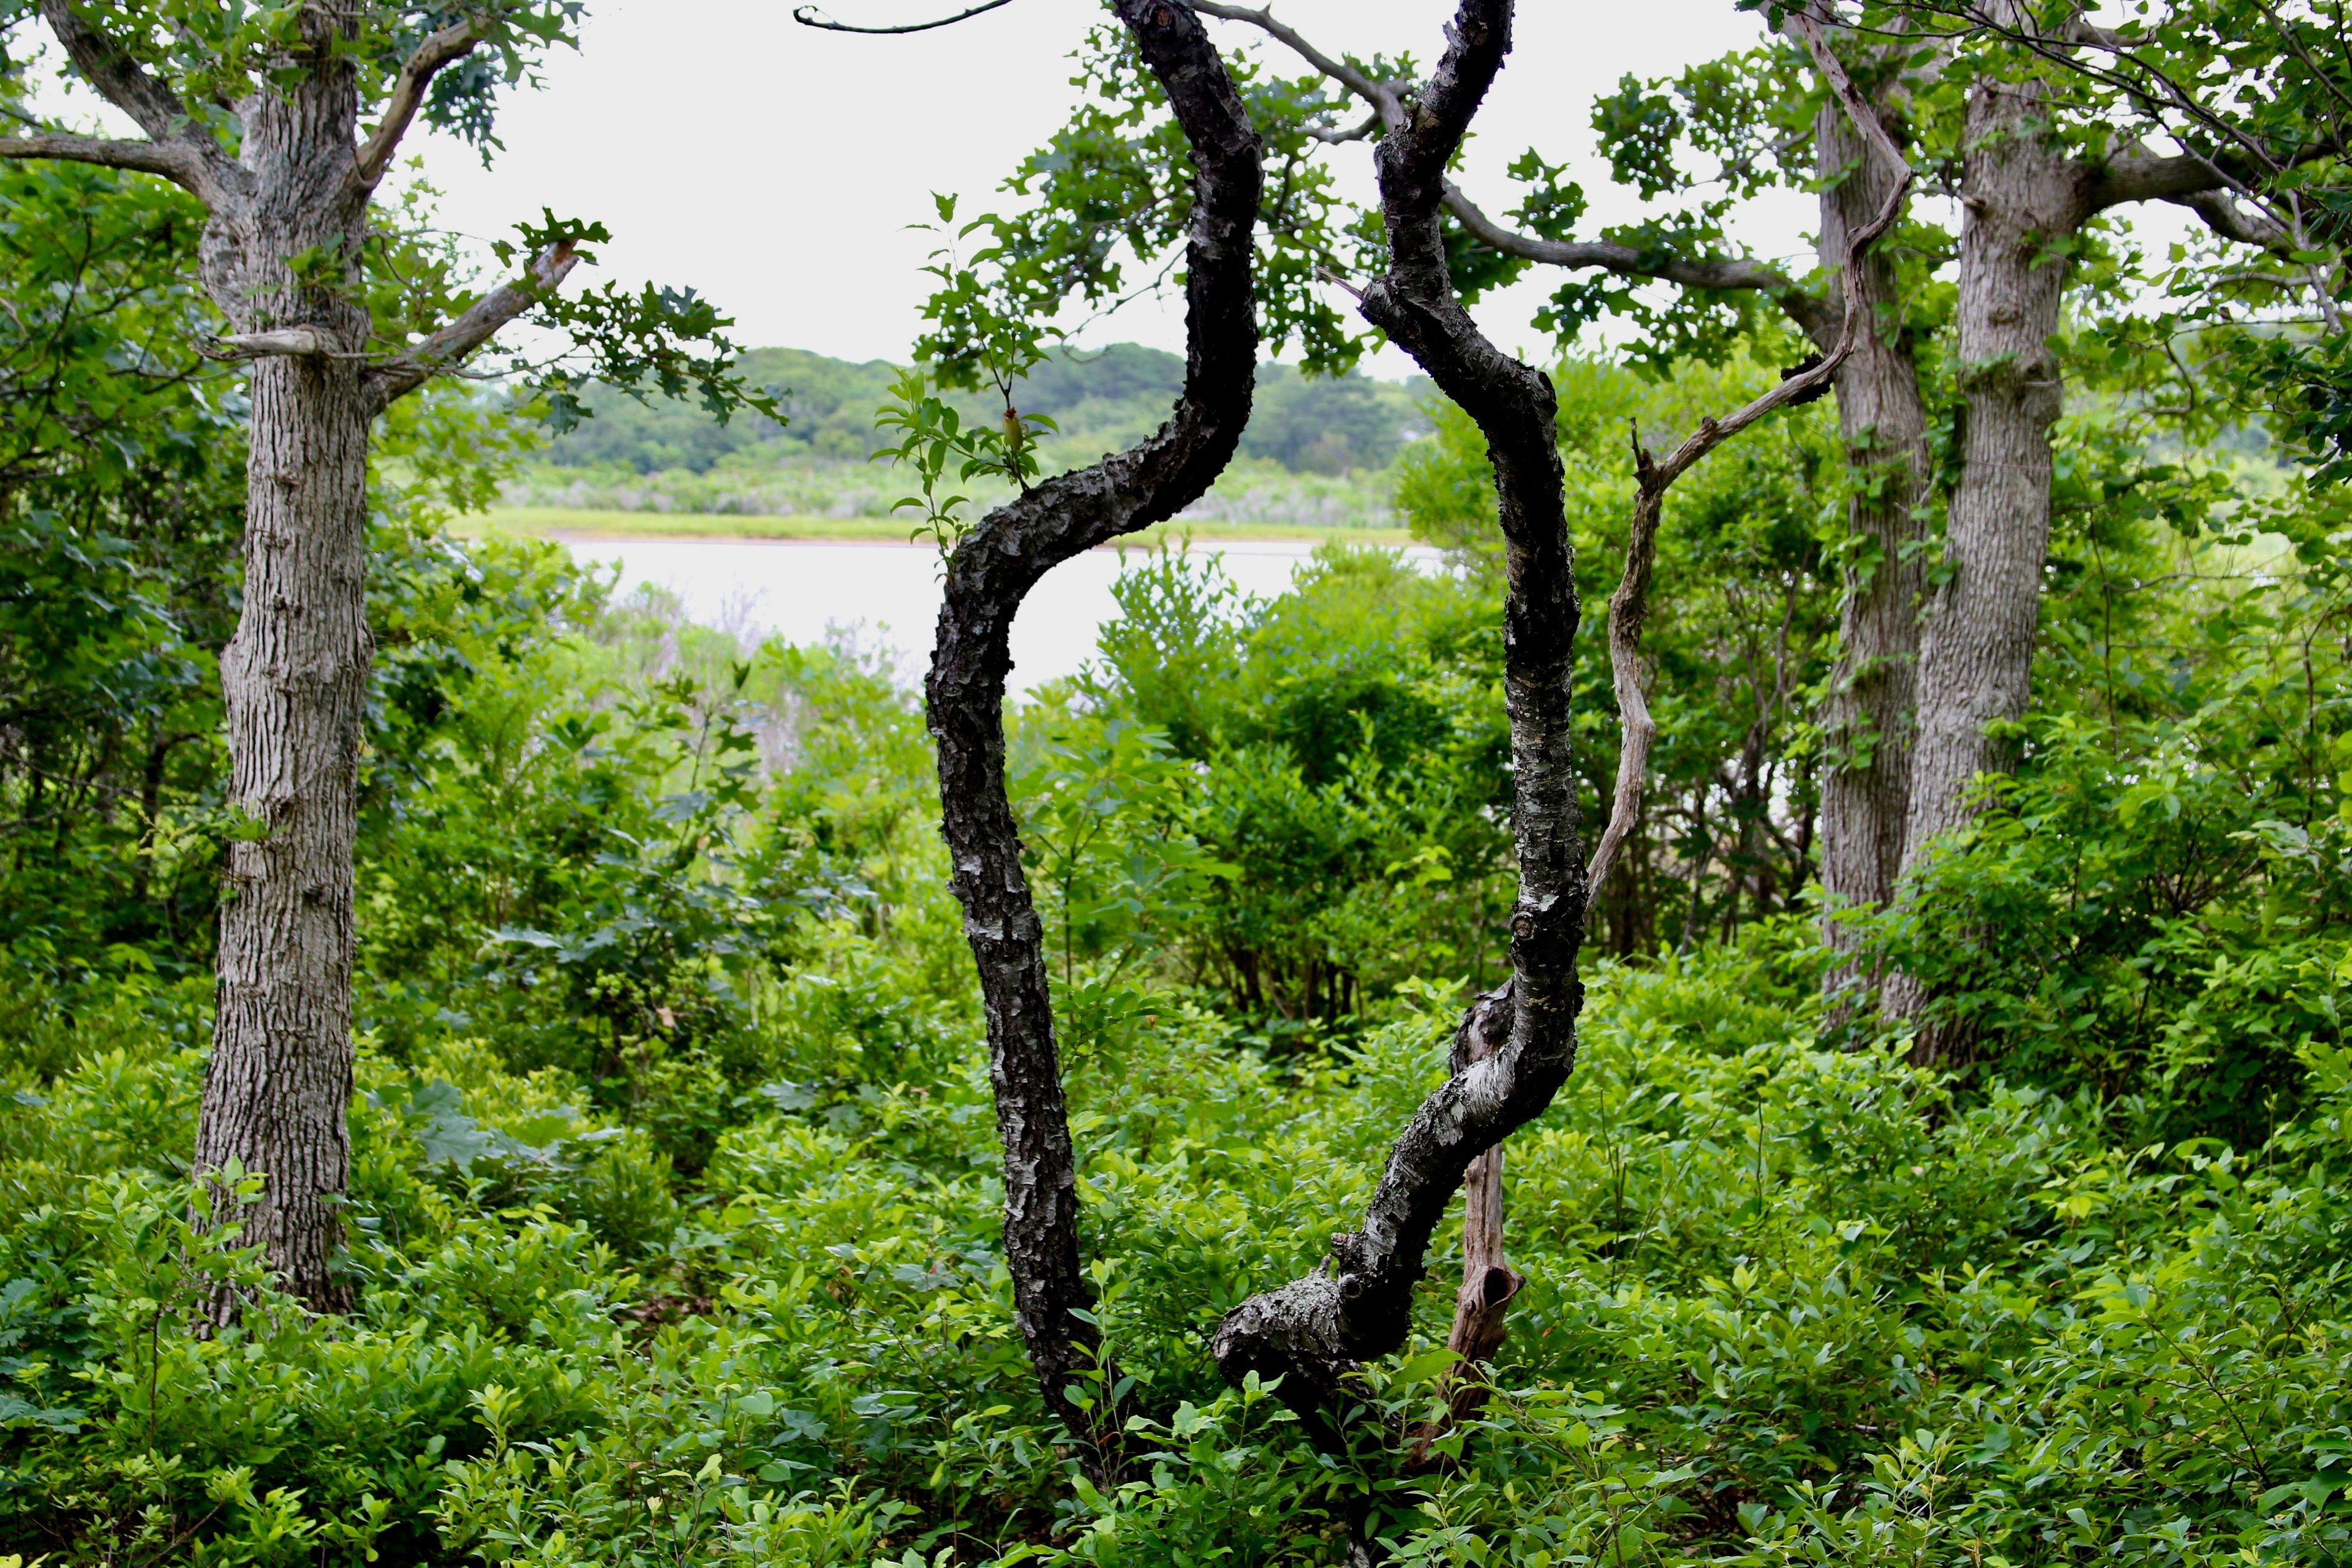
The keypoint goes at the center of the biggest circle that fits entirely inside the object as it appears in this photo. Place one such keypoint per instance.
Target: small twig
(1337, 278)
(810, 16)
(1330, 138)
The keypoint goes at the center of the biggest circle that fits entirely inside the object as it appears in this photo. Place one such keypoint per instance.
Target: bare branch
(2148, 177)
(810, 16)
(481, 321)
(1385, 99)
(200, 166)
(1812, 317)
(438, 51)
(1629, 606)
(2230, 218)
(1359, 131)
(301, 342)
(173, 161)
(1864, 119)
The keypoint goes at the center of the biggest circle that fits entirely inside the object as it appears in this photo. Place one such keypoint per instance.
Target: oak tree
(284, 122)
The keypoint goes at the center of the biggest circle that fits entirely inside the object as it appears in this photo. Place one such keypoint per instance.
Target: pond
(887, 596)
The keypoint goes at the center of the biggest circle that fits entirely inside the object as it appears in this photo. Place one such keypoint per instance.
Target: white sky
(776, 168)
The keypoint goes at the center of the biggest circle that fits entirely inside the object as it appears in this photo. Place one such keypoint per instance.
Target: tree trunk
(1866, 783)
(2024, 197)
(294, 680)
(1313, 1332)
(991, 571)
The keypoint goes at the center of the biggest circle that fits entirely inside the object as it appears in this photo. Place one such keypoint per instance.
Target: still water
(887, 596)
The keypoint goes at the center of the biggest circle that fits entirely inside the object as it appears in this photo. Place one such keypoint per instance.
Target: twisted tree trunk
(991, 571)
(1313, 1332)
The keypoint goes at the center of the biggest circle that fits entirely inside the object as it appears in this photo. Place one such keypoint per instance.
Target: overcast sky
(777, 168)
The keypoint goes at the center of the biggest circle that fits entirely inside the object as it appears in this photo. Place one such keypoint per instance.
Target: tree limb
(810, 16)
(1814, 318)
(438, 51)
(298, 342)
(201, 166)
(1629, 606)
(397, 378)
(1386, 100)
(991, 571)
(1808, 24)
(1313, 1333)
(2148, 177)
(2227, 217)
(172, 160)
(1359, 131)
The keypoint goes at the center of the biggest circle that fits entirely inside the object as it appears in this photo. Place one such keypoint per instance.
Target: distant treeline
(1099, 400)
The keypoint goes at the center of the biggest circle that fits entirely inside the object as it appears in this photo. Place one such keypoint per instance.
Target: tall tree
(1516, 1048)
(2042, 151)
(284, 122)
(1517, 1044)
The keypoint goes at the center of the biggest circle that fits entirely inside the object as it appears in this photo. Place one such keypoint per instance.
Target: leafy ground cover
(674, 1204)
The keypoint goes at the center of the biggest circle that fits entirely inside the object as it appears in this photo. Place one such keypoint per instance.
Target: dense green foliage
(673, 1197)
(676, 1212)
(124, 489)
(674, 1209)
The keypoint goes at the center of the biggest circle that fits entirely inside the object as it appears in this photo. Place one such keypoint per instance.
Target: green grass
(541, 522)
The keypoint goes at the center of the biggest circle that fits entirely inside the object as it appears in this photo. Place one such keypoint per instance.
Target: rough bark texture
(1629, 612)
(294, 675)
(294, 681)
(1488, 1280)
(1516, 1045)
(1313, 1332)
(2023, 198)
(991, 571)
(1882, 422)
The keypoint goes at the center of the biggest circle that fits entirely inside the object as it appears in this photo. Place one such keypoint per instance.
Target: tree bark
(1882, 421)
(281, 258)
(1488, 1280)
(990, 571)
(294, 681)
(1313, 1333)
(2024, 198)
